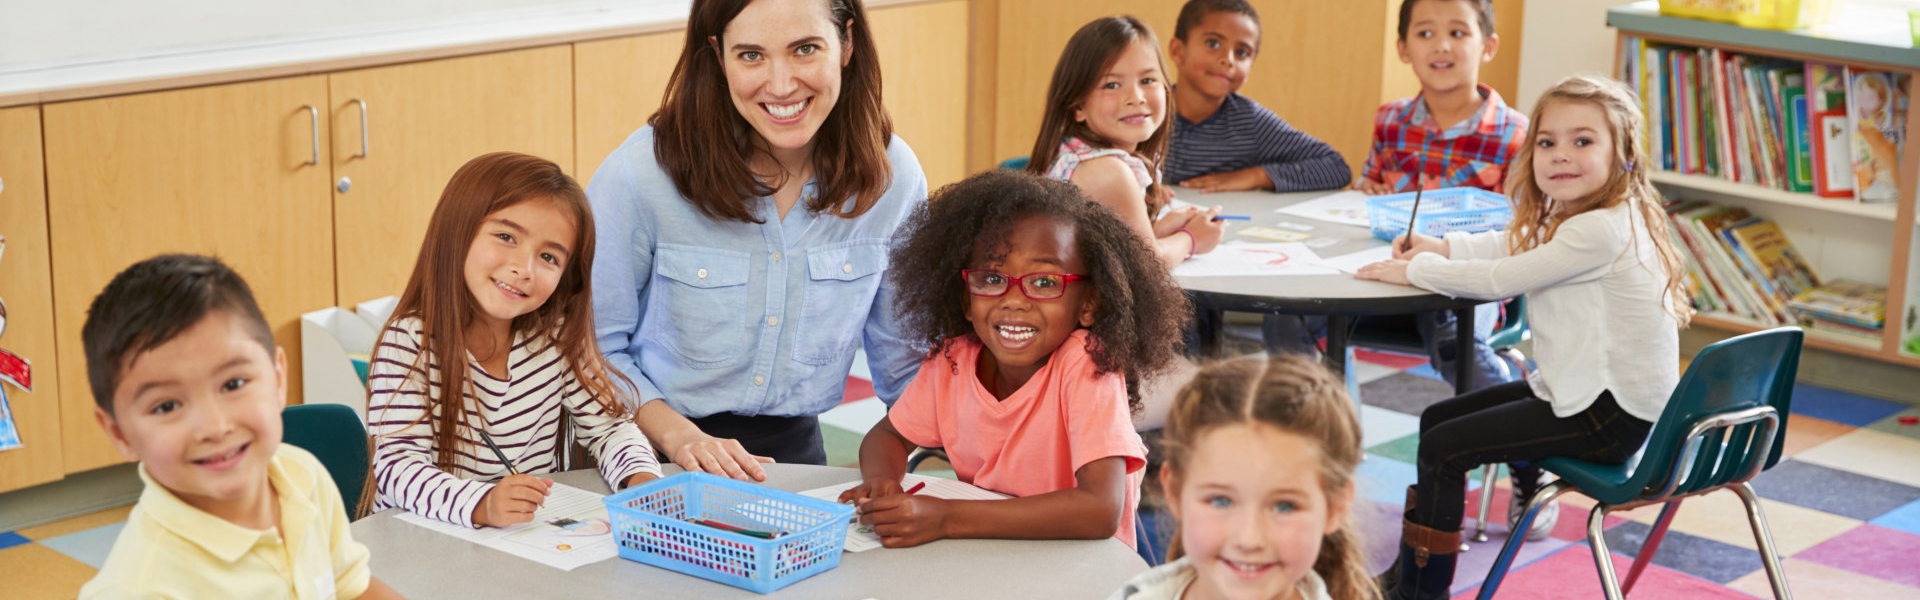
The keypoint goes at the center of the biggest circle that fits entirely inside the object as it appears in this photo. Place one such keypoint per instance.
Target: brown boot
(1425, 567)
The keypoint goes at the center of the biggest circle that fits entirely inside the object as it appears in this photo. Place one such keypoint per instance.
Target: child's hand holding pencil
(512, 501)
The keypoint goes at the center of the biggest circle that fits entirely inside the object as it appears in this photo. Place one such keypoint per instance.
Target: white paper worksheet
(1351, 263)
(858, 541)
(570, 532)
(1255, 260)
(1346, 208)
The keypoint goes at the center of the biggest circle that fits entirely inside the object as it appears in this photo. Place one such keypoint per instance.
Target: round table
(1339, 297)
(423, 564)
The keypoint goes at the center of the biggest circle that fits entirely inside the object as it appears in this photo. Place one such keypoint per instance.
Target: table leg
(1336, 355)
(1213, 334)
(1462, 348)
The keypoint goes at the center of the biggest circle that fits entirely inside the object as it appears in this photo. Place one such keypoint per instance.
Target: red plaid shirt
(1475, 153)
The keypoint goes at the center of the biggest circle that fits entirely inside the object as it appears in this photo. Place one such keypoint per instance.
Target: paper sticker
(9, 435)
(16, 370)
(1295, 226)
(1318, 243)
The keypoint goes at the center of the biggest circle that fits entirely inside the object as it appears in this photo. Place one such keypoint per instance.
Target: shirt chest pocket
(698, 305)
(842, 280)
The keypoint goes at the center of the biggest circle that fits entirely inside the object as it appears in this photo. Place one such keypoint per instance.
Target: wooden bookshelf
(1748, 191)
(1860, 37)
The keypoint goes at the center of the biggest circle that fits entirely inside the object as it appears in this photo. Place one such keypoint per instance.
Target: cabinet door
(237, 171)
(26, 284)
(923, 50)
(422, 121)
(617, 84)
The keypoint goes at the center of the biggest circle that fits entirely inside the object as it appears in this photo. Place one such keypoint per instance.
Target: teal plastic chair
(1017, 163)
(1721, 427)
(334, 434)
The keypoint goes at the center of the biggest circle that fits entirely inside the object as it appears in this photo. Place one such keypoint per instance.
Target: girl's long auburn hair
(437, 293)
(1292, 394)
(705, 146)
(1536, 217)
(1089, 54)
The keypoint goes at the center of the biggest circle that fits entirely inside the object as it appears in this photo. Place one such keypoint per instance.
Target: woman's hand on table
(696, 451)
(1390, 271)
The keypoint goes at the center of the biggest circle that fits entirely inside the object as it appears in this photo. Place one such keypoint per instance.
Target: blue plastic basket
(651, 524)
(1443, 210)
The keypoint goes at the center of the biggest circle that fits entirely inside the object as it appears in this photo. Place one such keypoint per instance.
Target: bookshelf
(1873, 243)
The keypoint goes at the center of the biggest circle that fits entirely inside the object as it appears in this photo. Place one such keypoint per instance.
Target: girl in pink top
(1040, 312)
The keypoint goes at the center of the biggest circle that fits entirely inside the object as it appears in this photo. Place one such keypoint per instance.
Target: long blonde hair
(1295, 395)
(1534, 221)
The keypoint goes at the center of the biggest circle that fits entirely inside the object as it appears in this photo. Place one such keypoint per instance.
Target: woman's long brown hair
(1089, 54)
(1536, 217)
(1292, 394)
(437, 292)
(706, 147)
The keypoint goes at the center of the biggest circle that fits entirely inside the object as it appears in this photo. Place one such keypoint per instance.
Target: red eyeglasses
(1038, 286)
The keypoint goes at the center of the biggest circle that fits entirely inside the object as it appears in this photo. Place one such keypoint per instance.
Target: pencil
(1232, 218)
(916, 487)
(496, 452)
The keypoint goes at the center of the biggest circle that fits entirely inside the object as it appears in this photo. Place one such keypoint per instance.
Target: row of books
(1745, 266)
(1823, 129)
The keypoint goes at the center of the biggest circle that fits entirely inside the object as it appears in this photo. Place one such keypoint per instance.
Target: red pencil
(916, 487)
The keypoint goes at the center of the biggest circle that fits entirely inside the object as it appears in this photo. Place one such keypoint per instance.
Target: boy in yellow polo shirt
(186, 379)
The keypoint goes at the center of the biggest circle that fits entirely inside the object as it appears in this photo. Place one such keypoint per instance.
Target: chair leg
(1653, 545)
(1486, 498)
(1764, 538)
(1540, 500)
(918, 455)
(1603, 558)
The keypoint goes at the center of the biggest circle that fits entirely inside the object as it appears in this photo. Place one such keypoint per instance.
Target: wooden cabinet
(923, 63)
(421, 122)
(237, 171)
(26, 283)
(617, 84)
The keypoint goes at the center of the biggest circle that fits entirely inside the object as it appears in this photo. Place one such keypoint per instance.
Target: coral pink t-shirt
(1033, 441)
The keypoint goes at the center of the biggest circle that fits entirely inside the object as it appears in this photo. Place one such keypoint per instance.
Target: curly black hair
(1140, 312)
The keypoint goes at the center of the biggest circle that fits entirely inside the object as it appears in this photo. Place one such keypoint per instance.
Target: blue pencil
(1232, 218)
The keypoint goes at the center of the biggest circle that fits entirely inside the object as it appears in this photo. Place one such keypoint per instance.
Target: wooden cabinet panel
(26, 283)
(923, 52)
(221, 170)
(617, 84)
(424, 120)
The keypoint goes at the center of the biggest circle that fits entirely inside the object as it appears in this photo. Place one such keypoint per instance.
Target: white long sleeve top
(1596, 298)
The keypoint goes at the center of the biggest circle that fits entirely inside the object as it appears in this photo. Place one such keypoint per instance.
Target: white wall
(1563, 37)
(40, 31)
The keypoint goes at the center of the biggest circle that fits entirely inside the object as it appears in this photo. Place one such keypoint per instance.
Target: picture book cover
(1832, 155)
(1877, 108)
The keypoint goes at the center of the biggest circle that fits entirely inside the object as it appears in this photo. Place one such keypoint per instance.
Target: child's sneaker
(1542, 523)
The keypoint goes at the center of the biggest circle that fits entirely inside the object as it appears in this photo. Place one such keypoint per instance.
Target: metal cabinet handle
(363, 126)
(313, 117)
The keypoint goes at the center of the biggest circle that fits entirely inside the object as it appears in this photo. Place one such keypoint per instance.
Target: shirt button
(776, 257)
(771, 321)
(758, 380)
(846, 268)
(702, 273)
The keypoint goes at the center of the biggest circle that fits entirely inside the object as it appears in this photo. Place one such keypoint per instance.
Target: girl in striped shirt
(502, 281)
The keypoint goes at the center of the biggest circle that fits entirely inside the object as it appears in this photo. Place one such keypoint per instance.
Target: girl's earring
(1629, 166)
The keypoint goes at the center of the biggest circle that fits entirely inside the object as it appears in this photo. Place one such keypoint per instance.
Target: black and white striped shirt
(522, 413)
(1243, 134)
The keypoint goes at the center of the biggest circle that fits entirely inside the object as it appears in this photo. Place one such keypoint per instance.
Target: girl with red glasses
(1040, 313)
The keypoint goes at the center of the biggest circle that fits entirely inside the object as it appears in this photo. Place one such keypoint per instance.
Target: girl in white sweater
(1589, 248)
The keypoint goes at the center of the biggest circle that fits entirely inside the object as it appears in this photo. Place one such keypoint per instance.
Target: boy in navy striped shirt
(1223, 141)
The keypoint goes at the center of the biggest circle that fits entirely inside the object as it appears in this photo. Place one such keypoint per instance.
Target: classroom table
(425, 565)
(1339, 297)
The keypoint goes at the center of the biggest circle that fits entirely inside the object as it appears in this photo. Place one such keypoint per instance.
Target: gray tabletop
(1304, 294)
(424, 565)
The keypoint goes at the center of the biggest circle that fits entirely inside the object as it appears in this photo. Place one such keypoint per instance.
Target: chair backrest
(334, 434)
(1726, 420)
(1514, 329)
(1016, 163)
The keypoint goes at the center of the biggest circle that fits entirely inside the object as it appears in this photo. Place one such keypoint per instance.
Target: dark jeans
(1289, 334)
(792, 440)
(1504, 424)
